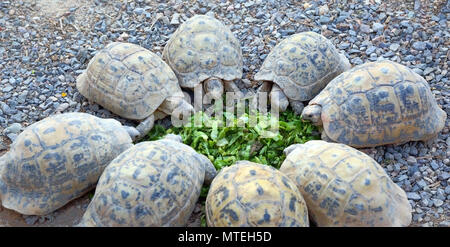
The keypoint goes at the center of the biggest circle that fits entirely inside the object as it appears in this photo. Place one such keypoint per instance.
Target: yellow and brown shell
(345, 187)
(58, 159)
(379, 103)
(302, 65)
(128, 80)
(155, 183)
(202, 48)
(251, 194)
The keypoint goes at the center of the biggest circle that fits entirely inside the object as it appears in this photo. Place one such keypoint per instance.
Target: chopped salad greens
(225, 144)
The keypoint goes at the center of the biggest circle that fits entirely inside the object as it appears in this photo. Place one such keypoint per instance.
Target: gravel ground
(46, 44)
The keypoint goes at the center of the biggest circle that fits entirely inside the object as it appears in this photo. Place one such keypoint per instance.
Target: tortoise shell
(379, 103)
(154, 183)
(251, 194)
(302, 65)
(201, 48)
(58, 159)
(128, 80)
(345, 187)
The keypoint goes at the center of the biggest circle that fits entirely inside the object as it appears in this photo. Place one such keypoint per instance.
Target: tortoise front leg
(230, 86)
(297, 106)
(278, 99)
(143, 128)
(213, 88)
(265, 87)
(325, 137)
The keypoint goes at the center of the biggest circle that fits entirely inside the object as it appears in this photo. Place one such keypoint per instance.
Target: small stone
(411, 160)
(344, 46)
(402, 177)
(419, 45)
(438, 202)
(364, 28)
(413, 196)
(434, 165)
(323, 10)
(422, 183)
(377, 27)
(444, 176)
(7, 89)
(394, 47)
(357, 61)
(13, 128)
(389, 156)
(447, 190)
(428, 70)
(138, 11)
(324, 19)
(62, 107)
(175, 19)
(370, 50)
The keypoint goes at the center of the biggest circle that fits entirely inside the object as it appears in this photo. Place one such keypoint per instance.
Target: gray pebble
(394, 47)
(419, 45)
(413, 196)
(13, 128)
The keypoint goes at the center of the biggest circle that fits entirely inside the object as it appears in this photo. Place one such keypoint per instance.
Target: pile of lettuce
(225, 144)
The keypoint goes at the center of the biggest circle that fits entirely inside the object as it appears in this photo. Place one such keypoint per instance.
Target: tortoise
(374, 104)
(58, 159)
(251, 194)
(154, 183)
(298, 68)
(135, 84)
(203, 51)
(345, 187)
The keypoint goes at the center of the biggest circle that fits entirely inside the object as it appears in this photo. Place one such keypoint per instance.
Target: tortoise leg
(213, 88)
(325, 137)
(297, 106)
(265, 87)
(144, 127)
(230, 86)
(278, 99)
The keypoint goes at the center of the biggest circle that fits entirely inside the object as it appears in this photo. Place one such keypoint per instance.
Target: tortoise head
(313, 114)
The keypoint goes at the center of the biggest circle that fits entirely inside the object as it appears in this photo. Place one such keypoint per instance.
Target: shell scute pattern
(302, 65)
(128, 80)
(250, 194)
(344, 187)
(58, 159)
(379, 103)
(151, 184)
(201, 48)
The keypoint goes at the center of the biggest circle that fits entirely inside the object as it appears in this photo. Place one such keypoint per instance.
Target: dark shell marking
(250, 194)
(58, 159)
